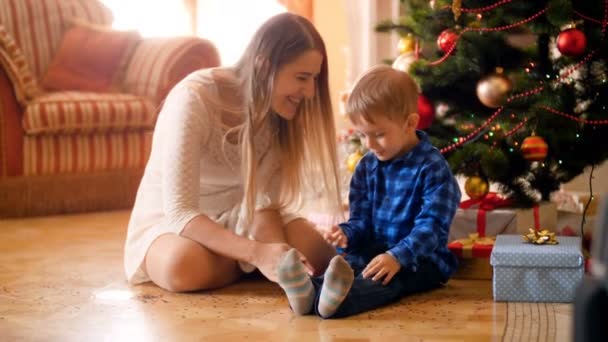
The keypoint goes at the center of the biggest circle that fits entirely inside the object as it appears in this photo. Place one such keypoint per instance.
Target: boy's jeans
(366, 294)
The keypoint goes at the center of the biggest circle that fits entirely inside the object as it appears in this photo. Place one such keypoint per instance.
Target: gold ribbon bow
(540, 237)
(467, 244)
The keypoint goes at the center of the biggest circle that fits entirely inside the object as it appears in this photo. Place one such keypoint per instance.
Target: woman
(233, 150)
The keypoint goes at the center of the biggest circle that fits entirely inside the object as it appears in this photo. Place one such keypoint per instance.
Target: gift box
(473, 246)
(569, 224)
(474, 269)
(491, 219)
(473, 257)
(575, 202)
(525, 272)
(570, 209)
(477, 222)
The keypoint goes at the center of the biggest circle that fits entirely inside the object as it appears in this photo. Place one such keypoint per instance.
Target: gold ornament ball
(406, 44)
(352, 160)
(476, 187)
(493, 90)
(404, 61)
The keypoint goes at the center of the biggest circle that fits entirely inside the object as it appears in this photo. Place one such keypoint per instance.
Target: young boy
(403, 197)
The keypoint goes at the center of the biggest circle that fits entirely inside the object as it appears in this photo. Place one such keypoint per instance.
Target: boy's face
(295, 82)
(388, 139)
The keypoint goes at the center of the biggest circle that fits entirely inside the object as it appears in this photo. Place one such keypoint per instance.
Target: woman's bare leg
(302, 235)
(267, 226)
(179, 264)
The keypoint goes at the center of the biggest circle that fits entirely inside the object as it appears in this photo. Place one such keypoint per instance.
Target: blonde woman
(233, 150)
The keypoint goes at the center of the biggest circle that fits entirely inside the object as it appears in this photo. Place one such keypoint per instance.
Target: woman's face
(294, 82)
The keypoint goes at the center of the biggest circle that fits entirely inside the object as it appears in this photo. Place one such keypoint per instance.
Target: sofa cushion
(83, 112)
(90, 58)
(37, 26)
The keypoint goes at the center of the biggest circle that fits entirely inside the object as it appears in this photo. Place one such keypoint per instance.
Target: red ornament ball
(534, 148)
(446, 40)
(571, 42)
(426, 111)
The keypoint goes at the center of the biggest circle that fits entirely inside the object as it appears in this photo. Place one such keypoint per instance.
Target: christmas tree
(513, 92)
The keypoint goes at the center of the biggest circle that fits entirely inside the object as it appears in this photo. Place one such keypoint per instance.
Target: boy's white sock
(336, 284)
(296, 283)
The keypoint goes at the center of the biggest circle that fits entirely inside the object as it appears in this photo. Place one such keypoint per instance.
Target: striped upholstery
(49, 139)
(60, 154)
(13, 61)
(159, 63)
(38, 26)
(78, 112)
(11, 134)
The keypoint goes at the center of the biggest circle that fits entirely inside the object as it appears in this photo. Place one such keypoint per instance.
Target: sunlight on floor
(112, 295)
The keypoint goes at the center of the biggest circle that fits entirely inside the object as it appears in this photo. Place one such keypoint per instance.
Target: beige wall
(600, 181)
(330, 20)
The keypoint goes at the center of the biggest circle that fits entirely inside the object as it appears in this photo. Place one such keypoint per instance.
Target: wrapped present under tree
(526, 272)
(479, 221)
(493, 215)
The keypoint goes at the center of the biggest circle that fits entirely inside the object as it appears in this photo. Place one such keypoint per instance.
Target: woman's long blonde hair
(307, 143)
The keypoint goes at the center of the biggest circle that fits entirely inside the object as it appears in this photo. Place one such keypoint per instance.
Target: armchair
(75, 150)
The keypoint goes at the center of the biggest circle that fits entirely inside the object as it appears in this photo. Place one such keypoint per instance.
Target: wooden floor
(61, 279)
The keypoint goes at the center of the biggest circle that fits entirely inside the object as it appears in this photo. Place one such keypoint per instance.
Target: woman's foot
(295, 281)
(336, 284)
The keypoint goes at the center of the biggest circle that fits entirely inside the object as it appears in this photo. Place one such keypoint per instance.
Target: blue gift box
(524, 272)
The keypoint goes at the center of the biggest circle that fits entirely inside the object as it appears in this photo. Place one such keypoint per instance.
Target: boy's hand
(383, 265)
(335, 236)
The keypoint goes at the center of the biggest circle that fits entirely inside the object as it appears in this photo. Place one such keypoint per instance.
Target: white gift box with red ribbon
(495, 217)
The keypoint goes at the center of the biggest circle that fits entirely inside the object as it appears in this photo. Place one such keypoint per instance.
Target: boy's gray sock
(336, 284)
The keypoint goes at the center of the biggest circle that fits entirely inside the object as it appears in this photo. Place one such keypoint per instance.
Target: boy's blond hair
(383, 91)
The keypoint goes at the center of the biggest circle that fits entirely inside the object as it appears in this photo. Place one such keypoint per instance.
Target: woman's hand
(336, 237)
(382, 266)
(267, 257)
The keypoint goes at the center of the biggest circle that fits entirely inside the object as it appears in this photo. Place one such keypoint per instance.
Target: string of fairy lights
(486, 8)
(570, 42)
(454, 37)
(448, 40)
(533, 148)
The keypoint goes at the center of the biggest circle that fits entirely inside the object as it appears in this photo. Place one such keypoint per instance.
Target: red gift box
(473, 257)
(472, 247)
(474, 251)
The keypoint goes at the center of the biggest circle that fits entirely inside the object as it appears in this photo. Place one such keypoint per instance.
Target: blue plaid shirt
(404, 207)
